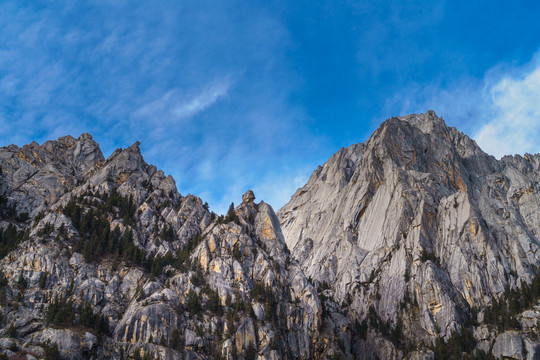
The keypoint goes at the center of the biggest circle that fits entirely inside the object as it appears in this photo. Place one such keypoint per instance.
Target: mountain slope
(105, 259)
(419, 223)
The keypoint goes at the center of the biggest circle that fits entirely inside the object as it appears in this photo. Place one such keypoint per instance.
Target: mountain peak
(404, 234)
(85, 136)
(248, 197)
(417, 188)
(426, 122)
(135, 146)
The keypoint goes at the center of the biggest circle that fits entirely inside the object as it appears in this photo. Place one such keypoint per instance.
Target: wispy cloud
(202, 101)
(204, 85)
(232, 95)
(177, 105)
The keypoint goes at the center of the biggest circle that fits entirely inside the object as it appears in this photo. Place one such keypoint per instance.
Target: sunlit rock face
(104, 258)
(419, 223)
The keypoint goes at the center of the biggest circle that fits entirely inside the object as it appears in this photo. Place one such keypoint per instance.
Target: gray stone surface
(417, 213)
(509, 345)
(143, 309)
(417, 224)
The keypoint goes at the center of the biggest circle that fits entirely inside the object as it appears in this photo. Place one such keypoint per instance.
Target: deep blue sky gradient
(228, 96)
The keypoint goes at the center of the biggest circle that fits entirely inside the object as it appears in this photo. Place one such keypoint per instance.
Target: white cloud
(515, 127)
(150, 73)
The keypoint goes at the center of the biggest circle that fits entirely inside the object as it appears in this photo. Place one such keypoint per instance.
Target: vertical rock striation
(413, 245)
(419, 223)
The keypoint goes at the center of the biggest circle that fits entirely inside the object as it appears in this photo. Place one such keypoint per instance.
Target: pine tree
(43, 280)
(175, 339)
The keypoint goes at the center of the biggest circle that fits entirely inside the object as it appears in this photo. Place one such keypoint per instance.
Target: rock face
(392, 248)
(36, 176)
(419, 224)
(509, 345)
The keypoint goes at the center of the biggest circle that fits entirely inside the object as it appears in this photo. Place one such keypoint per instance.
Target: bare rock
(419, 218)
(248, 197)
(509, 345)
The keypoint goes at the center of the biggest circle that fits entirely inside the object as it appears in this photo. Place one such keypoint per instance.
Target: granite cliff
(420, 229)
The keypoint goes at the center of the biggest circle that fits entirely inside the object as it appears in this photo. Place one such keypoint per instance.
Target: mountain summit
(413, 245)
(419, 226)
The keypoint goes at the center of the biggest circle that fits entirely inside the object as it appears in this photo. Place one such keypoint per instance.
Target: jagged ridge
(161, 274)
(397, 245)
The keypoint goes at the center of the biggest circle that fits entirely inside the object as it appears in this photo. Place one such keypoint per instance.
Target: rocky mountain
(414, 245)
(422, 231)
(105, 259)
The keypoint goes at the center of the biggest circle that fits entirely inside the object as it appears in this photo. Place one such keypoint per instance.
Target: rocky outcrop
(513, 345)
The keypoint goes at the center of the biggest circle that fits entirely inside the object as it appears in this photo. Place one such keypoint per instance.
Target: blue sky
(228, 96)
